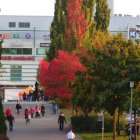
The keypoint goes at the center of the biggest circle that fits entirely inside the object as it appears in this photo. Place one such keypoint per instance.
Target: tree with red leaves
(55, 76)
(76, 23)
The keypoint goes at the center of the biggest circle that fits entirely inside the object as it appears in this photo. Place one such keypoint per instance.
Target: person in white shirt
(70, 135)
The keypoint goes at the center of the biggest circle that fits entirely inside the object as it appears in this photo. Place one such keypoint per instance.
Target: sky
(46, 7)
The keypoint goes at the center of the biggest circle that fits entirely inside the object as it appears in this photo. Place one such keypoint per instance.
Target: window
(17, 51)
(27, 25)
(24, 24)
(40, 51)
(12, 24)
(21, 24)
(13, 51)
(27, 51)
(16, 72)
(6, 51)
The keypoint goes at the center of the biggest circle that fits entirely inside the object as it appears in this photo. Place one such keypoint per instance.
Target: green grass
(98, 136)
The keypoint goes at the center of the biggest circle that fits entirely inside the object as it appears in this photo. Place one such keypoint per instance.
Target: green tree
(111, 74)
(88, 8)
(102, 15)
(133, 67)
(57, 29)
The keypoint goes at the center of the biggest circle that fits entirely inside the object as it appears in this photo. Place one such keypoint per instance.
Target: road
(45, 128)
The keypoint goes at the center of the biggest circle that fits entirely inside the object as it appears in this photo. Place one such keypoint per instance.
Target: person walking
(32, 112)
(70, 135)
(55, 108)
(27, 115)
(42, 110)
(18, 107)
(37, 109)
(61, 120)
(11, 119)
(8, 112)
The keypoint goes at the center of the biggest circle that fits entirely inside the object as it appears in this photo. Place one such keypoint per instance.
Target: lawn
(98, 136)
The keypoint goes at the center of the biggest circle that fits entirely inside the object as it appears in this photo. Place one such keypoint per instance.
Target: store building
(126, 24)
(28, 39)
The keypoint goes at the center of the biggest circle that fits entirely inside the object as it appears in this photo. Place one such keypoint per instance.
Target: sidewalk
(46, 128)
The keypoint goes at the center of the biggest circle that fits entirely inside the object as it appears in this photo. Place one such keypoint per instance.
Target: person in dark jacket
(18, 107)
(42, 110)
(11, 120)
(61, 120)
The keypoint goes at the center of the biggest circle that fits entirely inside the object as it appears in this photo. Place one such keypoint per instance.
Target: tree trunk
(114, 124)
(118, 125)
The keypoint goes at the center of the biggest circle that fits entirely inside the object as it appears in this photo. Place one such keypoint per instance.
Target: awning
(26, 91)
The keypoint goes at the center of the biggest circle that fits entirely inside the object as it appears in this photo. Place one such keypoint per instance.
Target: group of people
(34, 97)
(38, 111)
(29, 113)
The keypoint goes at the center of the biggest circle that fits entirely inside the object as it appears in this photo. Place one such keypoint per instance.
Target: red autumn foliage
(76, 20)
(55, 76)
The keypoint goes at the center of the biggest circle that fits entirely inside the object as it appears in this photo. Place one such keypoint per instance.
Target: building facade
(126, 24)
(28, 37)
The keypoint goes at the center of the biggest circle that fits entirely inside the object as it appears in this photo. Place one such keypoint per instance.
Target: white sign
(132, 33)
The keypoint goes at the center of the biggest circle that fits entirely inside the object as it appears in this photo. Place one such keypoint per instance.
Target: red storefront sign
(20, 58)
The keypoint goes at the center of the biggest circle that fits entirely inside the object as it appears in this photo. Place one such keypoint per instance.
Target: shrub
(91, 123)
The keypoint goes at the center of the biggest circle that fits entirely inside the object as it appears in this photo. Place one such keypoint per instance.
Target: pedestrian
(11, 119)
(55, 108)
(70, 135)
(32, 112)
(18, 107)
(37, 109)
(61, 120)
(42, 110)
(27, 115)
(8, 112)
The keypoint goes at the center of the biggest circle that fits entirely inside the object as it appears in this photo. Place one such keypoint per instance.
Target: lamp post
(131, 86)
(103, 126)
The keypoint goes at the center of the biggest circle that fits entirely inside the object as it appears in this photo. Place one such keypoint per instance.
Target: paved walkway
(45, 128)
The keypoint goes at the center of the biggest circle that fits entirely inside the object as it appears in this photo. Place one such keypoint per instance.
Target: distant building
(29, 38)
(126, 24)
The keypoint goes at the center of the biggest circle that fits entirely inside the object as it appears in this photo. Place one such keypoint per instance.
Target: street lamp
(103, 126)
(131, 86)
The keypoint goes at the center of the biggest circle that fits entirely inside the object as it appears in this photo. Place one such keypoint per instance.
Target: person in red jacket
(8, 112)
(27, 115)
(32, 112)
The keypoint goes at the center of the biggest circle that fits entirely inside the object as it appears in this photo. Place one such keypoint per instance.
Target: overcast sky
(46, 7)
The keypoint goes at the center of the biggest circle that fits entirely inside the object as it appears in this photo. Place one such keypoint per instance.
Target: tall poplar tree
(57, 29)
(102, 15)
(88, 8)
